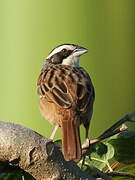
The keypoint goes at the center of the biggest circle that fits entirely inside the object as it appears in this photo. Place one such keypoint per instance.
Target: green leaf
(58, 141)
(101, 153)
(124, 145)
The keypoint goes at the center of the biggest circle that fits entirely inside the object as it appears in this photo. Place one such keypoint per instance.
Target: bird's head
(67, 54)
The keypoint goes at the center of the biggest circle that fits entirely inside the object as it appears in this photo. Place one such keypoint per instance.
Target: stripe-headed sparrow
(66, 96)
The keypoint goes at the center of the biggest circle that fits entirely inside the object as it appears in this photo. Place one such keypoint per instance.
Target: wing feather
(68, 87)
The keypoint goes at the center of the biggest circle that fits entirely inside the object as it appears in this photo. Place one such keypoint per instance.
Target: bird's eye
(64, 50)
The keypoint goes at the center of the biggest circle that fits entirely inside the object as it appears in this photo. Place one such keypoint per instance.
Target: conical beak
(79, 51)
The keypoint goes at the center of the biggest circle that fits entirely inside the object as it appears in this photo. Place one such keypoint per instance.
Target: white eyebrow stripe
(58, 49)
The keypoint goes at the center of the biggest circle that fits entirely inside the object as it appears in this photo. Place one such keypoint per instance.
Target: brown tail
(71, 144)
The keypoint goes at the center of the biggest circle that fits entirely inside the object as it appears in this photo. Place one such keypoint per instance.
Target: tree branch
(110, 131)
(121, 174)
(35, 154)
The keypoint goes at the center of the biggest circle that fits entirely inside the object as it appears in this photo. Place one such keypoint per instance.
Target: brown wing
(68, 87)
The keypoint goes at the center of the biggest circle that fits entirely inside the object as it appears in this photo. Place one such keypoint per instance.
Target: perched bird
(66, 96)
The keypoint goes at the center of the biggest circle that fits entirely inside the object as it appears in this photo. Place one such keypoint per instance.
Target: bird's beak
(79, 51)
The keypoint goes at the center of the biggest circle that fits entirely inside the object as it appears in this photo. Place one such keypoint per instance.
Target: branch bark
(35, 154)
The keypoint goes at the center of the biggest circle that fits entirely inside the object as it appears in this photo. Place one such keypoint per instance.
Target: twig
(97, 173)
(87, 143)
(126, 118)
(113, 166)
(122, 174)
(110, 131)
(100, 174)
(23, 178)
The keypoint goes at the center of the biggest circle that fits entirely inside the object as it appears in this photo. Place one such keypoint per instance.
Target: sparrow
(66, 96)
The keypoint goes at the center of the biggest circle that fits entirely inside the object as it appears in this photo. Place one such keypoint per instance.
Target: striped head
(67, 54)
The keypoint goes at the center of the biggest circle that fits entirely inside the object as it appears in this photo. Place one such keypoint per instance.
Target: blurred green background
(30, 29)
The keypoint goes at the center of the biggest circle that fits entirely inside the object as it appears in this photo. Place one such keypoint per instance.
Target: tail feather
(71, 144)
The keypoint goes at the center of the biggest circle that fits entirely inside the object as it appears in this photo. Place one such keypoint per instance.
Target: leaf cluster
(116, 153)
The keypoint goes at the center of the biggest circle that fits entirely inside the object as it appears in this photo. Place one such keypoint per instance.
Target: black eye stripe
(65, 53)
(59, 56)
